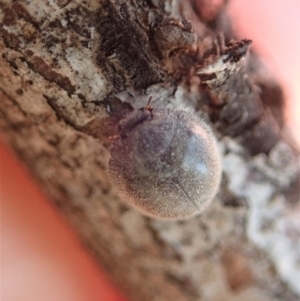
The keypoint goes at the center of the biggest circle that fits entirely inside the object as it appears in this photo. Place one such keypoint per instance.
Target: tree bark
(69, 71)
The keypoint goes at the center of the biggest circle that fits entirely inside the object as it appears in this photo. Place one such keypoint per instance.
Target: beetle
(165, 162)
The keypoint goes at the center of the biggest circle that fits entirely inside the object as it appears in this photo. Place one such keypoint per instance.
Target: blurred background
(41, 258)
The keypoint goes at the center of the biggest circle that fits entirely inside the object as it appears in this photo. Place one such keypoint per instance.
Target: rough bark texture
(70, 70)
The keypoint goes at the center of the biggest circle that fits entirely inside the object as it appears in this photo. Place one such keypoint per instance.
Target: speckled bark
(65, 64)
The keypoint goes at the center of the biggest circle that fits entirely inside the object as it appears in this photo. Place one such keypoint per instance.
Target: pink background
(274, 27)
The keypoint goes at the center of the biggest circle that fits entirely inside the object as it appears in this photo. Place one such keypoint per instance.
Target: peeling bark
(70, 70)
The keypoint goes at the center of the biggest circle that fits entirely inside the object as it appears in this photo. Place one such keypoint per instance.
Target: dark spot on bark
(272, 96)
(19, 91)
(62, 3)
(55, 24)
(262, 136)
(85, 44)
(38, 65)
(293, 192)
(207, 76)
(14, 65)
(81, 96)
(81, 21)
(9, 17)
(229, 199)
(241, 109)
(52, 41)
(23, 13)
(10, 39)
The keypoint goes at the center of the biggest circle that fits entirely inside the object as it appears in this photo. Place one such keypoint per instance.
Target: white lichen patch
(269, 227)
(280, 166)
(89, 78)
(268, 223)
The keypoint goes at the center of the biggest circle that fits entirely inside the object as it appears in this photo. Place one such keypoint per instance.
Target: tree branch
(70, 71)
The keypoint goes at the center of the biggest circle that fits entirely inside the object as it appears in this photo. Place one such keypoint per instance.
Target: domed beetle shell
(165, 163)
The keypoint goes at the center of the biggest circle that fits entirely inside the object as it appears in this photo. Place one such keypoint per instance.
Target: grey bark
(69, 71)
